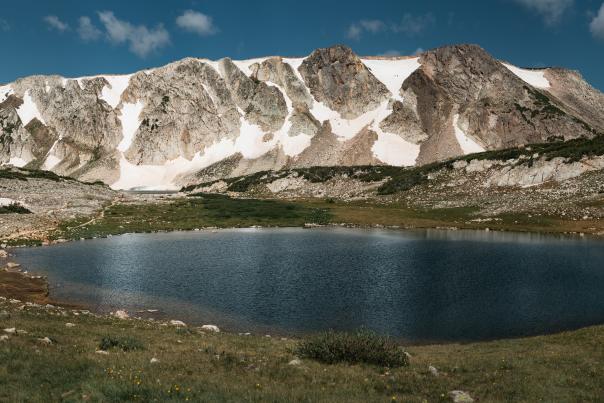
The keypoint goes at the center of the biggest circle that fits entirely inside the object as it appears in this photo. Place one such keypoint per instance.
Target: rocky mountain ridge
(197, 120)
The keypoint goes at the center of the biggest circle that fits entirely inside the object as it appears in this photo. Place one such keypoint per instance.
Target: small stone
(295, 362)
(154, 360)
(102, 352)
(10, 330)
(45, 340)
(459, 396)
(210, 328)
(433, 370)
(4, 337)
(178, 323)
(121, 314)
(12, 265)
(69, 324)
(3, 254)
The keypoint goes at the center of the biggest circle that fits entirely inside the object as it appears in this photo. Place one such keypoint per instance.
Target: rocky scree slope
(198, 120)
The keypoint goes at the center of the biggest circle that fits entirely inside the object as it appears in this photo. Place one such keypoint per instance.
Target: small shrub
(362, 346)
(14, 208)
(123, 343)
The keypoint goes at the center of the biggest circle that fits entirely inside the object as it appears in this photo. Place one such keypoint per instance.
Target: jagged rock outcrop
(338, 78)
(275, 71)
(263, 105)
(186, 107)
(196, 119)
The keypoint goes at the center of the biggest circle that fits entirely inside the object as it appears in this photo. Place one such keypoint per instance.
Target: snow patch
(130, 123)
(28, 110)
(244, 65)
(5, 91)
(394, 150)
(50, 162)
(5, 201)
(392, 73)
(468, 146)
(391, 148)
(17, 162)
(112, 93)
(536, 78)
(250, 143)
(161, 177)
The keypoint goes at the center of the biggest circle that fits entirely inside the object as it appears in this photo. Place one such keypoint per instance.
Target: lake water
(424, 285)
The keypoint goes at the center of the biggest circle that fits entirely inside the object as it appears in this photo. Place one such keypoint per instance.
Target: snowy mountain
(197, 119)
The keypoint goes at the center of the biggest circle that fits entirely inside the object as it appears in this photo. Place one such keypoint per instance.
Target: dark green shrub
(123, 343)
(14, 208)
(362, 346)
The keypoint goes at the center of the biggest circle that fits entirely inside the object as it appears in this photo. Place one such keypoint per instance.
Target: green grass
(122, 343)
(198, 211)
(25, 174)
(565, 367)
(360, 347)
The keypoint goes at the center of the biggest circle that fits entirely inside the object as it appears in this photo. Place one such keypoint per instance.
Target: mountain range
(198, 120)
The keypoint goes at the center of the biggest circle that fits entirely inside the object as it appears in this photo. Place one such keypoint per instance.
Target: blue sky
(77, 37)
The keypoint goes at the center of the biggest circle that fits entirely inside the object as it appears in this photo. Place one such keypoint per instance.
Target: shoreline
(28, 277)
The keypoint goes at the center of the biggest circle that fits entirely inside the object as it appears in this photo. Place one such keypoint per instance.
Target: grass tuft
(14, 208)
(123, 343)
(362, 346)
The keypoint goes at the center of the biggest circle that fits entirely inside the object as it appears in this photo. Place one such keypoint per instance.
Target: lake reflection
(416, 285)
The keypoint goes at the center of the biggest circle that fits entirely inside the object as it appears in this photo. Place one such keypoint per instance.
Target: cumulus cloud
(597, 24)
(414, 24)
(550, 10)
(410, 25)
(4, 25)
(86, 29)
(141, 40)
(55, 23)
(354, 32)
(196, 22)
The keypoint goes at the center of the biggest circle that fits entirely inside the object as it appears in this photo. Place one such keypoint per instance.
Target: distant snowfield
(130, 123)
(118, 85)
(536, 78)
(5, 91)
(392, 72)
(28, 110)
(468, 146)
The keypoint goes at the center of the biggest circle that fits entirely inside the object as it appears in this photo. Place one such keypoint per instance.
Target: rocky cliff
(198, 120)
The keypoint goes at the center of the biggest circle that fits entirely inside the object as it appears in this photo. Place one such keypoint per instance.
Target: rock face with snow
(197, 119)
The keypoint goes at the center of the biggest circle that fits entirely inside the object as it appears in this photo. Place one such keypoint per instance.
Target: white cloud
(55, 22)
(354, 32)
(410, 25)
(597, 24)
(414, 24)
(87, 30)
(373, 26)
(550, 10)
(199, 23)
(4, 25)
(141, 39)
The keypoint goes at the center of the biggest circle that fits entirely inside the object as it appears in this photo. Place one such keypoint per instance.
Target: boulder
(178, 323)
(459, 396)
(121, 314)
(210, 328)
